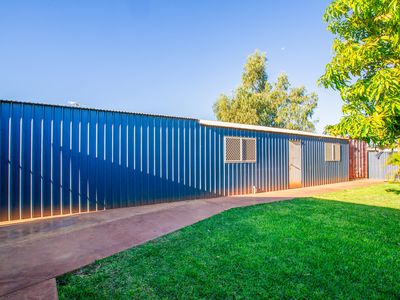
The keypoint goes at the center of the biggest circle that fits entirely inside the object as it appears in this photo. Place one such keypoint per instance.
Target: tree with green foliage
(365, 69)
(258, 102)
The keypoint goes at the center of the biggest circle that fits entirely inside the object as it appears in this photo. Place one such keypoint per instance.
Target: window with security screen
(332, 152)
(233, 149)
(328, 152)
(336, 150)
(248, 150)
(238, 149)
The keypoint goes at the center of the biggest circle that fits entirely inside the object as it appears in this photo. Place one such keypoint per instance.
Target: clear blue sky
(166, 57)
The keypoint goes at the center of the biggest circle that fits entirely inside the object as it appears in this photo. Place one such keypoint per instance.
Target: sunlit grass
(384, 195)
(304, 248)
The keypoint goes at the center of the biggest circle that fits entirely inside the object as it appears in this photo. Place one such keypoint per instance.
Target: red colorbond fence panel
(358, 159)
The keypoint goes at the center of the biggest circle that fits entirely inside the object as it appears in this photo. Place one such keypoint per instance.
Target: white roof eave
(265, 129)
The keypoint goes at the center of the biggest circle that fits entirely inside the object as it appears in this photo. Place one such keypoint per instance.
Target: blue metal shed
(58, 160)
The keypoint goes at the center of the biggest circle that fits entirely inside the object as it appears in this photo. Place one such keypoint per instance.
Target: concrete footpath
(33, 253)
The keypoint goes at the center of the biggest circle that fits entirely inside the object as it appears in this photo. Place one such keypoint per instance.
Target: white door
(294, 164)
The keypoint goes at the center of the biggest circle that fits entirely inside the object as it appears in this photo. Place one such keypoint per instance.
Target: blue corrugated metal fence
(61, 160)
(377, 165)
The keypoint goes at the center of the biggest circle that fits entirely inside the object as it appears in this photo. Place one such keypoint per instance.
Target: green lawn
(338, 245)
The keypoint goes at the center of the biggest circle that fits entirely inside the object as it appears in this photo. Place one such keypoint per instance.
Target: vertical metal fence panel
(186, 158)
(125, 139)
(116, 178)
(358, 159)
(163, 159)
(83, 198)
(378, 167)
(169, 159)
(270, 160)
(175, 159)
(92, 165)
(4, 160)
(312, 153)
(109, 159)
(26, 162)
(37, 161)
(149, 161)
(99, 161)
(131, 162)
(46, 164)
(61, 160)
(192, 162)
(75, 160)
(317, 179)
(235, 167)
(144, 160)
(66, 143)
(210, 139)
(147, 154)
(307, 161)
(165, 154)
(15, 162)
(196, 161)
(157, 160)
(273, 162)
(140, 187)
(55, 161)
(200, 158)
(203, 159)
(279, 162)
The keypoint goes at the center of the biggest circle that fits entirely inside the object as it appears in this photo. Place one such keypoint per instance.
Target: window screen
(332, 152)
(249, 150)
(239, 149)
(232, 149)
(328, 152)
(336, 152)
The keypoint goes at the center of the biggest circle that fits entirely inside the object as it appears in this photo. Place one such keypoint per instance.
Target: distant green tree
(365, 68)
(258, 102)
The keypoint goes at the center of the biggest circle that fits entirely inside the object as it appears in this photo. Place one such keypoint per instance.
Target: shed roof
(202, 122)
(95, 109)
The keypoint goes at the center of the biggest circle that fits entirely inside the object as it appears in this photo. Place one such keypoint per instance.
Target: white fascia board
(265, 129)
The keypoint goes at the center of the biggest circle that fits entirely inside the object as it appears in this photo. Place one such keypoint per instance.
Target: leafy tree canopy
(258, 102)
(365, 68)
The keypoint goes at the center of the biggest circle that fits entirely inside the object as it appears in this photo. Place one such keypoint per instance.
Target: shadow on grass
(395, 191)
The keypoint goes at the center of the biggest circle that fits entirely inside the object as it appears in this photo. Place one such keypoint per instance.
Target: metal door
(294, 164)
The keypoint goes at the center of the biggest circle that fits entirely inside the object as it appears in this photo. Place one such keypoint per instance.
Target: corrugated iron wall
(316, 170)
(61, 160)
(377, 165)
(358, 159)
